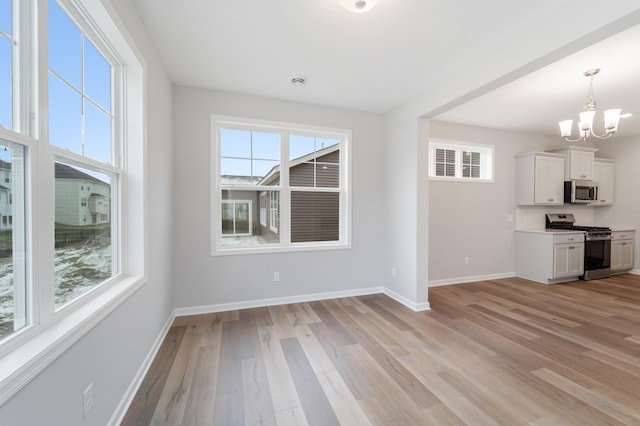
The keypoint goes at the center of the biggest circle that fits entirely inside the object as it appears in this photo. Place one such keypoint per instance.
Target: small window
(457, 161)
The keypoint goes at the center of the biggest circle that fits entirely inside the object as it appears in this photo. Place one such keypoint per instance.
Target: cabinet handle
(623, 244)
(583, 176)
(550, 199)
(623, 235)
(603, 201)
(571, 247)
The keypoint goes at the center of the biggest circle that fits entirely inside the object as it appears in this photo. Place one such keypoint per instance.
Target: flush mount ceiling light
(585, 126)
(358, 6)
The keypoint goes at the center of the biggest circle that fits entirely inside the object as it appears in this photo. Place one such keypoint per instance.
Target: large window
(296, 178)
(67, 107)
(464, 162)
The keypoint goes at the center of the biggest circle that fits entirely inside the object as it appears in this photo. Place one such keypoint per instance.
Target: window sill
(266, 249)
(19, 366)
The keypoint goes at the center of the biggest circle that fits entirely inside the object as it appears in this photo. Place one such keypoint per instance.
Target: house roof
(300, 160)
(64, 171)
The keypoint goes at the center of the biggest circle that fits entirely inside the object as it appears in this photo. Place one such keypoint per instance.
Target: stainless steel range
(597, 244)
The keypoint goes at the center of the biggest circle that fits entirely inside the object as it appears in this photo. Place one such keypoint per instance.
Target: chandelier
(585, 126)
(358, 6)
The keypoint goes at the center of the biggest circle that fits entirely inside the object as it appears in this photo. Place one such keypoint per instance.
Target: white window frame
(50, 332)
(274, 208)
(487, 160)
(250, 218)
(263, 209)
(219, 122)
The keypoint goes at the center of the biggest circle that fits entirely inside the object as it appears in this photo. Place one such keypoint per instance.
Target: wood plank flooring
(500, 352)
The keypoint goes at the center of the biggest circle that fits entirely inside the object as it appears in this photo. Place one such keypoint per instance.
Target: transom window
(455, 161)
(295, 177)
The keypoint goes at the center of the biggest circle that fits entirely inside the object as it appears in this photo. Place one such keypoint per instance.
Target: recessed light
(298, 81)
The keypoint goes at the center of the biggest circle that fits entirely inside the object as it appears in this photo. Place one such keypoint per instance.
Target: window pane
(315, 216)
(249, 157)
(97, 76)
(97, 133)
(65, 46)
(299, 146)
(82, 231)
(321, 169)
(235, 143)
(250, 218)
(13, 291)
(5, 16)
(6, 115)
(65, 116)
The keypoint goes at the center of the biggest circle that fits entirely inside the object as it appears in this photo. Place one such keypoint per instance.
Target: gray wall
(202, 279)
(112, 352)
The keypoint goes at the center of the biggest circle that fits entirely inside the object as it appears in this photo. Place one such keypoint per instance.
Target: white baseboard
(261, 303)
(417, 307)
(460, 280)
(126, 400)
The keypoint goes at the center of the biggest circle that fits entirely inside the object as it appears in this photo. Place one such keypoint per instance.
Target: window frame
(219, 122)
(487, 160)
(51, 331)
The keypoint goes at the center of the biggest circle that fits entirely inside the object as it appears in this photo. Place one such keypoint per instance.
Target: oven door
(597, 256)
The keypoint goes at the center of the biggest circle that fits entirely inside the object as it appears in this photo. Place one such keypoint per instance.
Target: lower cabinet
(549, 257)
(622, 251)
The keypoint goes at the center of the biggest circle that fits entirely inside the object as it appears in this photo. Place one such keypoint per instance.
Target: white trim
(20, 366)
(261, 303)
(462, 280)
(416, 307)
(128, 396)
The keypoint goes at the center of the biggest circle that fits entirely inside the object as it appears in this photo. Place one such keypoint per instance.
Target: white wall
(112, 352)
(203, 280)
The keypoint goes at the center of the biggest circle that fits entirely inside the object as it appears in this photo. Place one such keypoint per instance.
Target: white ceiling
(377, 60)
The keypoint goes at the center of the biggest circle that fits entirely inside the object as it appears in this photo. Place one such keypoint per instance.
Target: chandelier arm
(584, 138)
(607, 135)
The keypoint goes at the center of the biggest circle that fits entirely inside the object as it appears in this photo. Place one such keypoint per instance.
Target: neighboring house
(6, 211)
(258, 213)
(81, 199)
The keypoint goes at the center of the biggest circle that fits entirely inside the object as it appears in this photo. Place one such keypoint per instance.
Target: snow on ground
(78, 268)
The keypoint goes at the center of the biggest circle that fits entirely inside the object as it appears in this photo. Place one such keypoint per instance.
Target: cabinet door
(568, 260)
(581, 164)
(603, 174)
(549, 180)
(616, 255)
(626, 254)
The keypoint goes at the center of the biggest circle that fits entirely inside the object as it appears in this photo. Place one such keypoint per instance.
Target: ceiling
(377, 60)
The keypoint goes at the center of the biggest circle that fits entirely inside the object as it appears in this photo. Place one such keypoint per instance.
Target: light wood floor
(501, 352)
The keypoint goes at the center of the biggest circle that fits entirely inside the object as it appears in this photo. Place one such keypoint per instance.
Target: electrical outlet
(393, 272)
(276, 276)
(87, 400)
(466, 260)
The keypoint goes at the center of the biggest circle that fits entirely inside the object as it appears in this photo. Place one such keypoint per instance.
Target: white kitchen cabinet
(579, 162)
(622, 251)
(539, 179)
(549, 256)
(603, 174)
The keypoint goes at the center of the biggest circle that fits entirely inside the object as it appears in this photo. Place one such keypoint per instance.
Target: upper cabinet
(540, 179)
(579, 165)
(603, 175)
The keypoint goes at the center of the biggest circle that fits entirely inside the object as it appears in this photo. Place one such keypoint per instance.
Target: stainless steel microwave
(580, 191)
